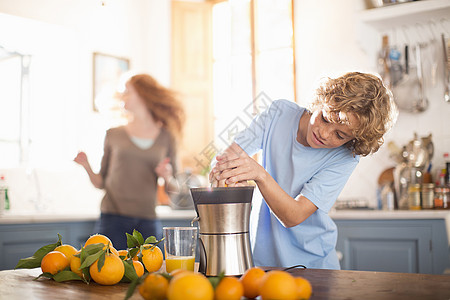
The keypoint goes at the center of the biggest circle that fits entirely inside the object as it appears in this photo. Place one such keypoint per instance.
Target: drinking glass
(179, 246)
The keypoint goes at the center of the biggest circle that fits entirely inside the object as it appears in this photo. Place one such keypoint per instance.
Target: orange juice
(180, 262)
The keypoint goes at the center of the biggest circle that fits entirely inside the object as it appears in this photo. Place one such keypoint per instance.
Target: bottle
(442, 197)
(161, 195)
(414, 202)
(4, 199)
(427, 195)
(447, 167)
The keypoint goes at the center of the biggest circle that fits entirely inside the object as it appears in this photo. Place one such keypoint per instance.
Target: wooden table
(327, 284)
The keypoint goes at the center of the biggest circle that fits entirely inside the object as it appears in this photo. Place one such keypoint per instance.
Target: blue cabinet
(408, 246)
(22, 240)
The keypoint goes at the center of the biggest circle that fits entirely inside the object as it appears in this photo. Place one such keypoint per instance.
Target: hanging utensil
(406, 59)
(407, 88)
(422, 103)
(446, 68)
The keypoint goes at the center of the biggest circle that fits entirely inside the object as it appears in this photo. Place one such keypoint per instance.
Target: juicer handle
(203, 259)
(196, 219)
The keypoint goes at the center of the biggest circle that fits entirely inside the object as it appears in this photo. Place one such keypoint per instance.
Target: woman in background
(135, 155)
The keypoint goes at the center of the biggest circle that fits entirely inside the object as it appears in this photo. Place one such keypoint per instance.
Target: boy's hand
(234, 167)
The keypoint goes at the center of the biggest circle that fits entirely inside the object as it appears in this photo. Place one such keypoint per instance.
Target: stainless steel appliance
(223, 216)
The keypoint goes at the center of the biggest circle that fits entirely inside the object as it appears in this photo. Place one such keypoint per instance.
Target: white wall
(73, 30)
(328, 43)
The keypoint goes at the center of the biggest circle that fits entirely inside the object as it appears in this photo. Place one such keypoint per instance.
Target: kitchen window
(13, 128)
(39, 95)
(253, 60)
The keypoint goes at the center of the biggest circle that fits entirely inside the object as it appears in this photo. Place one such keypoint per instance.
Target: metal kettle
(223, 216)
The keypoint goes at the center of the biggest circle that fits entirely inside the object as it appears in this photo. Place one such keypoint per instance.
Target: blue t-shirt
(317, 174)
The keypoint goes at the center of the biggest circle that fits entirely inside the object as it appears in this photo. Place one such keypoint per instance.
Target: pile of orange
(187, 285)
(274, 284)
(183, 285)
(66, 257)
(178, 285)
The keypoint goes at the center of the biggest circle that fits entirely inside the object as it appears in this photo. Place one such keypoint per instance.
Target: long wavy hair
(364, 96)
(161, 102)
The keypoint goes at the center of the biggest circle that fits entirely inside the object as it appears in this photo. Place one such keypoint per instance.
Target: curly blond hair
(161, 102)
(365, 97)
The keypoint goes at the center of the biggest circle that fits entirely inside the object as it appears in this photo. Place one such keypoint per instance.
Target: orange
(54, 262)
(278, 285)
(192, 286)
(250, 281)
(179, 272)
(152, 257)
(113, 250)
(111, 272)
(304, 288)
(229, 288)
(125, 254)
(75, 264)
(154, 287)
(98, 238)
(67, 250)
(138, 267)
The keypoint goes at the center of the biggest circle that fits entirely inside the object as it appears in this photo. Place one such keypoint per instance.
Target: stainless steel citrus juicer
(223, 216)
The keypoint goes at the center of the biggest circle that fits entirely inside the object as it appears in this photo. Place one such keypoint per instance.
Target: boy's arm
(235, 166)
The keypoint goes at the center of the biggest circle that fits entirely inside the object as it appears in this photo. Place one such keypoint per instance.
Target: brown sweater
(128, 172)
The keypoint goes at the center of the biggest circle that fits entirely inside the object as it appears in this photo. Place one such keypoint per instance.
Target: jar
(442, 197)
(427, 195)
(414, 197)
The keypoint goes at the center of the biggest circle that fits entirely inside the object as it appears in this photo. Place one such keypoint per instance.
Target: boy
(307, 157)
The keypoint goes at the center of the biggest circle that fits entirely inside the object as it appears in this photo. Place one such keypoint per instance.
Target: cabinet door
(385, 246)
(20, 241)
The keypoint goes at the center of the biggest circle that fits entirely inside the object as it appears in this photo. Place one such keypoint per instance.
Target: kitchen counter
(392, 215)
(163, 213)
(327, 284)
(166, 213)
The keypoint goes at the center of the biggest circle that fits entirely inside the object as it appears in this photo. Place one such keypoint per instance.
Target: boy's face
(322, 133)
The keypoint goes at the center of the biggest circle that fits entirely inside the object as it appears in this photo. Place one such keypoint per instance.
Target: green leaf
(66, 276)
(130, 272)
(132, 241)
(86, 274)
(101, 261)
(93, 248)
(151, 240)
(46, 274)
(35, 260)
(167, 276)
(216, 280)
(90, 250)
(134, 283)
(133, 252)
(138, 236)
(91, 259)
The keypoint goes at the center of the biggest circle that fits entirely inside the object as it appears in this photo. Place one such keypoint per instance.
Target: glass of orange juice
(180, 244)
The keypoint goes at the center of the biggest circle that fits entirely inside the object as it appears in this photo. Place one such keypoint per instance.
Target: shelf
(405, 14)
